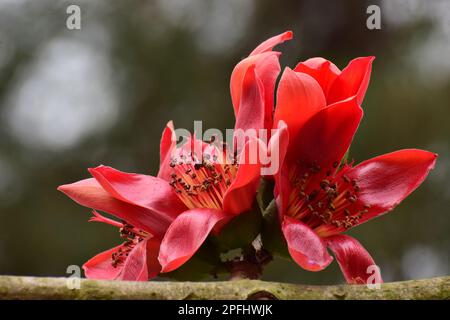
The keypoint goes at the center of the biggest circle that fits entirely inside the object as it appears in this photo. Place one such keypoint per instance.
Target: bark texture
(12, 287)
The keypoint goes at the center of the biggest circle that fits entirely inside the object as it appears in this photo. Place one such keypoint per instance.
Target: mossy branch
(12, 287)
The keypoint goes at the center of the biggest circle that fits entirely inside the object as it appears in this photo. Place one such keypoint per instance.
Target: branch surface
(14, 287)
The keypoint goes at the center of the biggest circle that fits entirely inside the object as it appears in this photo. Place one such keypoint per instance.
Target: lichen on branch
(13, 287)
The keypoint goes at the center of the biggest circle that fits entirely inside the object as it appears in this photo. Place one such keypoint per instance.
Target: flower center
(202, 184)
(319, 199)
(132, 237)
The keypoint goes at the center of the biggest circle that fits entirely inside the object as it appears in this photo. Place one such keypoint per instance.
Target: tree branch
(12, 287)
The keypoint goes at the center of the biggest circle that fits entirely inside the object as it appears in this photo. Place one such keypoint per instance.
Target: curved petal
(141, 190)
(267, 68)
(306, 248)
(90, 193)
(279, 143)
(353, 260)
(299, 97)
(277, 147)
(185, 236)
(386, 180)
(100, 267)
(326, 136)
(135, 265)
(283, 189)
(153, 266)
(251, 109)
(168, 143)
(142, 262)
(272, 42)
(324, 71)
(240, 195)
(268, 71)
(353, 80)
(383, 182)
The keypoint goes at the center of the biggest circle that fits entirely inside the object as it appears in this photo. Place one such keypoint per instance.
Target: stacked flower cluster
(202, 204)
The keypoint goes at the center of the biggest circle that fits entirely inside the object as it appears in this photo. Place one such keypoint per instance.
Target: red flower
(318, 112)
(165, 219)
(146, 206)
(215, 188)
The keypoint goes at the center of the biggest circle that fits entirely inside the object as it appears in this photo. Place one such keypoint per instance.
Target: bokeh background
(73, 99)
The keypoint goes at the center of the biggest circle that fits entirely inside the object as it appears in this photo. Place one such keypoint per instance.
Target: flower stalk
(250, 265)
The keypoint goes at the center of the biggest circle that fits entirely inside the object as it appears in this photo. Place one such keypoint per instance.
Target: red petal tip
(288, 35)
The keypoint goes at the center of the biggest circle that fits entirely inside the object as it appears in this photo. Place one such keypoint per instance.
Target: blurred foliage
(147, 62)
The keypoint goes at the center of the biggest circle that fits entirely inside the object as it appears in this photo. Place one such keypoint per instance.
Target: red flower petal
(299, 97)
(141, 190)
(353, 259)
(240, 195)
(280, 143)
(168, 140)
(272, 42)
(153, 266)
(324, 71)
(326, 136)
(267, 68)
(100, 267)
(386, 180)
(268, 71)
(353, 80)
(306, 248)
(251, 109)
(283, 189)
(142, 262)
(185, 236)
(90, 193)
(168, 143)
(135, 265)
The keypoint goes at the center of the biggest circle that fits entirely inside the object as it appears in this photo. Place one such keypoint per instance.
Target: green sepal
(240, 231)
(345, 157)
(271, 235)
(265, 193)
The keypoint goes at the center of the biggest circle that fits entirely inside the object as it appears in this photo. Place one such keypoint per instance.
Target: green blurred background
(73, 99)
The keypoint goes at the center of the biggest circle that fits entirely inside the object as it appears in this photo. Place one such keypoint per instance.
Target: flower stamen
(202, 184)
(331, 200)
(132, 237)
